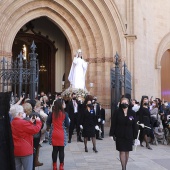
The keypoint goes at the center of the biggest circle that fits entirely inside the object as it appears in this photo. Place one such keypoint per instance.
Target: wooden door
(165, 76)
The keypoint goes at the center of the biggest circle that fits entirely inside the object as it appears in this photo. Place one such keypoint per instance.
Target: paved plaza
(107, 158)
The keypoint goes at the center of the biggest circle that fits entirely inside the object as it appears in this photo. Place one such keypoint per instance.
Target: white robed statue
(78, 72)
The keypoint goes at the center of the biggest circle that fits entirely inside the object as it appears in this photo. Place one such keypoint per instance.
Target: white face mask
(24, 115)
(166, 104)
(153, 104)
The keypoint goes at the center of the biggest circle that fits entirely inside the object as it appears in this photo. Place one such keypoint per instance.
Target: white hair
(15, 110)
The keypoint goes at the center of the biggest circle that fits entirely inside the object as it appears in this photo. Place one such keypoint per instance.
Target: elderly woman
(22, 132)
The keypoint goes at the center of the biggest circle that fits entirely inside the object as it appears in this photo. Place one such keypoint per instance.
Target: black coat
(70, 110)
(88, 120)
(97, 112)
(102, 114)
(145, 118)
(123, 126)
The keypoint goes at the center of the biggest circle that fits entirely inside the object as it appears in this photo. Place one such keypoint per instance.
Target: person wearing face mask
(88, 124)
(165, 113)
(123, 130)
(155, 118)
(145, 118)
(98, 116)
(74, 115)
(154, 110)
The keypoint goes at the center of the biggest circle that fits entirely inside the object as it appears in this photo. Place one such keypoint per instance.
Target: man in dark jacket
(102, 113)
(74, 115)
(98, 116)
(36, 139)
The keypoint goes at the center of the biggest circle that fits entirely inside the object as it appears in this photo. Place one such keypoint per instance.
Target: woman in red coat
(60, 121)
(22, 133)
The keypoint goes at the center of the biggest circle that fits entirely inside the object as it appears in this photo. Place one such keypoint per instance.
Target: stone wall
(137, 29)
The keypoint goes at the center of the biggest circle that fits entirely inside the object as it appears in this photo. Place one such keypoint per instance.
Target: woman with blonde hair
(27, 109)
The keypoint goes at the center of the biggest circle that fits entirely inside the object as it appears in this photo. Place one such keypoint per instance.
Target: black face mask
(145, 104)
(124, 105)
(90, 105)
(74, 98)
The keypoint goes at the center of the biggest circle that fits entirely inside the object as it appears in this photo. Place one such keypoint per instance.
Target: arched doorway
(165, 77)
(48, 42)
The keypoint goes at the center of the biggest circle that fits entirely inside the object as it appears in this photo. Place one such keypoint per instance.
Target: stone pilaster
(130, 39)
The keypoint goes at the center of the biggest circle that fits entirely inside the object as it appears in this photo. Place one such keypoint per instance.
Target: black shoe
(99, 138)
(69, 141)
(149, 147)
(141, 145)
(45, 141)
(86, 150)
(102, 136)
(81, 140)
(94, 150)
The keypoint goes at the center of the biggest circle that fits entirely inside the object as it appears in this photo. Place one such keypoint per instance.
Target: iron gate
(120, 82)
(20, 76)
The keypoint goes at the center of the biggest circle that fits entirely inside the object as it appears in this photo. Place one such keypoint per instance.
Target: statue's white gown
(77, 73)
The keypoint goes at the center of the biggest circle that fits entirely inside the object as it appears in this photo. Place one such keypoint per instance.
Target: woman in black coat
(144, 118)
(123, 129)
(88, 125)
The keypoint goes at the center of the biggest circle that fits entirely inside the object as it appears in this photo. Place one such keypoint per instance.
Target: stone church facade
(138, 30)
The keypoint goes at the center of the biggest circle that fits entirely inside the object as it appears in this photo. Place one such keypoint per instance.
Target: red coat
(22, 133)
(58, 130)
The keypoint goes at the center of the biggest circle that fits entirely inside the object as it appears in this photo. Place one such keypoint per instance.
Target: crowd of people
(131, 117)
(50, 118)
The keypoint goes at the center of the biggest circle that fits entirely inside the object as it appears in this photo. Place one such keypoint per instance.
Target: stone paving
(107, 157)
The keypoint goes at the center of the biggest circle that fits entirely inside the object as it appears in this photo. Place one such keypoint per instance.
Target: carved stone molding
(5, 54)
(100, 60)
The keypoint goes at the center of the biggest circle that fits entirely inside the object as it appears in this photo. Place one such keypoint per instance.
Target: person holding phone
(22, 133)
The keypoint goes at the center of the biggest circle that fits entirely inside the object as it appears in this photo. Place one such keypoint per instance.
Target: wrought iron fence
(120, 82)
(19, 75)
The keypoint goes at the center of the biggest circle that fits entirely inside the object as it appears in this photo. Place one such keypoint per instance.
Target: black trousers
(55, 151)
(74, 123)
(36, 142)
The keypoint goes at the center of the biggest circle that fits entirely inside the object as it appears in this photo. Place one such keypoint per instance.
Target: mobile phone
(33, 117)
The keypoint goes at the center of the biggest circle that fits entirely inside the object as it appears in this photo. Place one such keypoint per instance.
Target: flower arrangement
(80, 94)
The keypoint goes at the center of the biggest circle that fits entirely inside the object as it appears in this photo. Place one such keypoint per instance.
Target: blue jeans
(24, 161)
